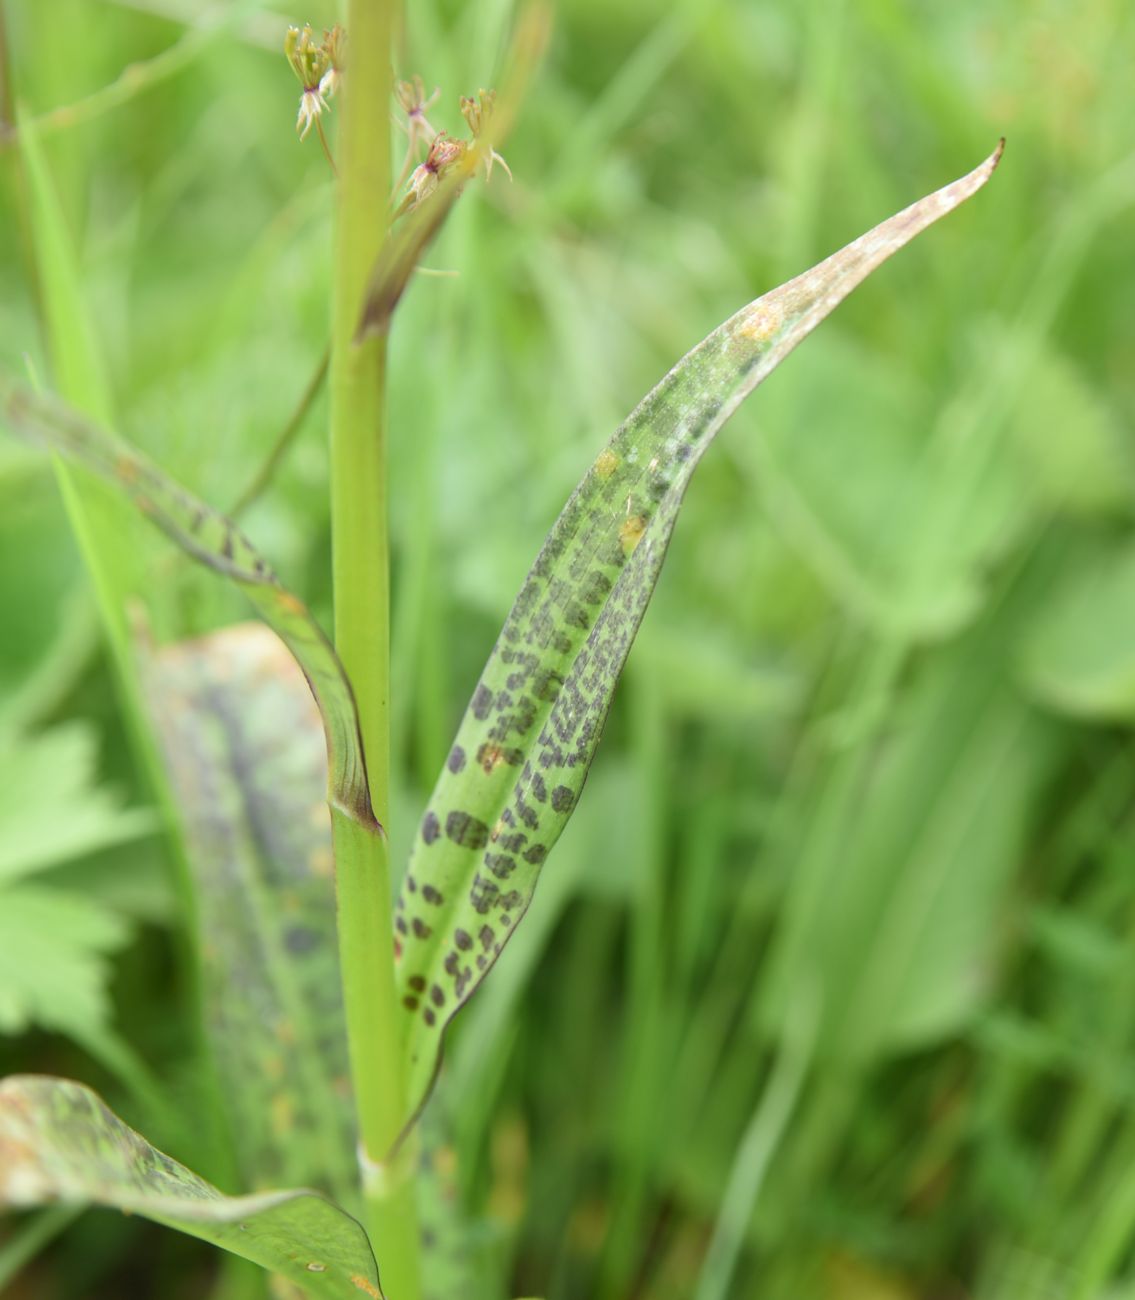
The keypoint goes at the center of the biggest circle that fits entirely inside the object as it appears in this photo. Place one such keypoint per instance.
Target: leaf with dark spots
(217, 543)
(567, 637)
(245, 755)
(59, 1143)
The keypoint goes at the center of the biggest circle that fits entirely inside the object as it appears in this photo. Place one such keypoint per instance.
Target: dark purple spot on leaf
(547, 687)
(502, 865)
(482, 702)
(482, 894)
(468, 831)
(577, 616)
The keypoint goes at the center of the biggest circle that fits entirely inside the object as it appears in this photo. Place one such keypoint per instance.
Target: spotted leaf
(531, 729)
(215, 541)
(59, 1143)
(246, 760)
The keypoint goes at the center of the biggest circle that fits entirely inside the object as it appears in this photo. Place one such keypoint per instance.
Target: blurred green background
(840, 943)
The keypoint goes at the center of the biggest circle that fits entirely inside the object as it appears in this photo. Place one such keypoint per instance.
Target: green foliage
(59, 1142)
(55, 943)
(1080, 654)
(38, 776)
(243, 745)
(215, 542)
(927, 513)
(521, 756)
(556, 665)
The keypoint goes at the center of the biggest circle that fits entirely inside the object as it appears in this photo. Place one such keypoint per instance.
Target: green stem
(360, 572)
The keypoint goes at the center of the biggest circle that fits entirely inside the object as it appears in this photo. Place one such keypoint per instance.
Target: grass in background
(869, 774)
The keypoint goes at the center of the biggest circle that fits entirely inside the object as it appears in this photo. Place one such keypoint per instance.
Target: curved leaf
(217, 543)
(526, 742)
(60, 1143)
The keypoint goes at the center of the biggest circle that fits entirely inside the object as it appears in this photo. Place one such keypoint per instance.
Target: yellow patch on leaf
(631, 531)
(761, 323)
(606, 463)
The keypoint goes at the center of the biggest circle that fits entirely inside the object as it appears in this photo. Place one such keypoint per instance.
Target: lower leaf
(59, 1143)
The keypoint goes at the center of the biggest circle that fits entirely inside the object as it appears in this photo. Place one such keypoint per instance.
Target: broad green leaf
(216, 542)
(39, 776)
(524, 747)
(60, 1144)
(896, 912)
(246, 760)
(1079, 656)
(1067, 435)
(864, 509)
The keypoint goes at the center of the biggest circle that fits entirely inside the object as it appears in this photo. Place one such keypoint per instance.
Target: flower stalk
(360, 573)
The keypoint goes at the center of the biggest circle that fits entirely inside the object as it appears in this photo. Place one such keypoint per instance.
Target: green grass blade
(217, 543)
(104, 528)
(31, 1238)
(757, 1147)
(137, 78)
(60, 1143)
(526, 742)
(245, 756)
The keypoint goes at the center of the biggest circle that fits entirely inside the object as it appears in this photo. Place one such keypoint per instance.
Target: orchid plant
(328, 1032)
